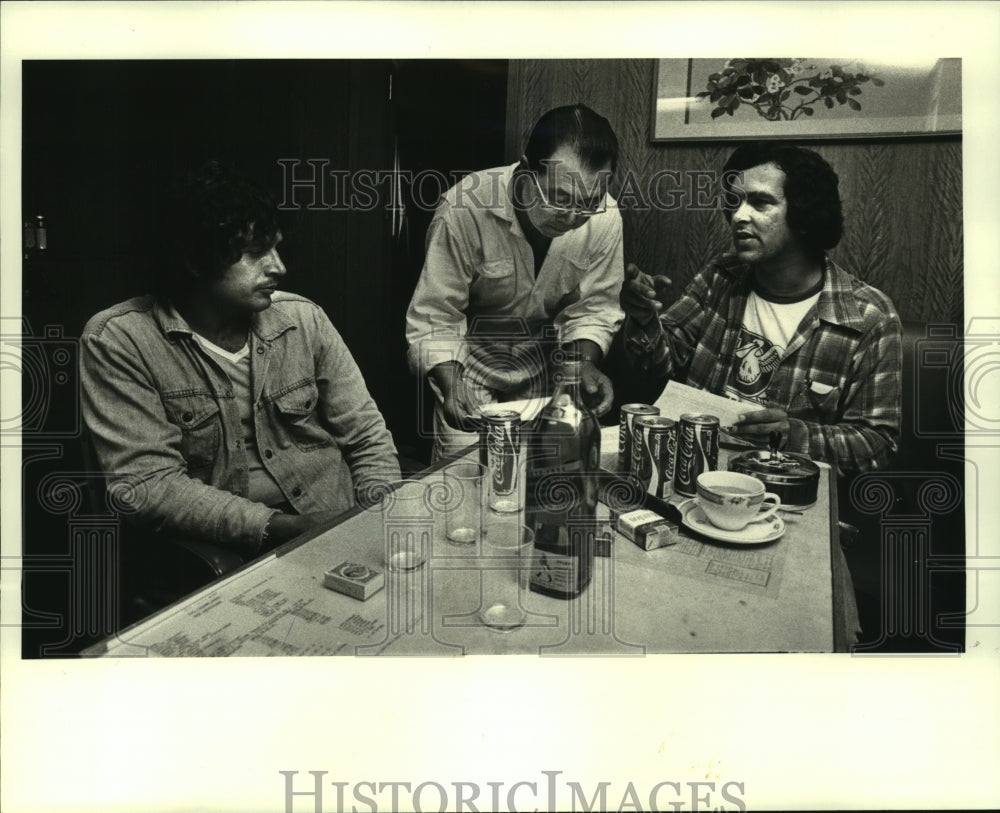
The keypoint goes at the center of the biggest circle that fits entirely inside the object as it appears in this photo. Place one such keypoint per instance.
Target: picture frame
(723, 99)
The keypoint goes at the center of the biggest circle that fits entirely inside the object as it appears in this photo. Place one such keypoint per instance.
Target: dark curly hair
(215, 214)
(811, 190)
(577, 126)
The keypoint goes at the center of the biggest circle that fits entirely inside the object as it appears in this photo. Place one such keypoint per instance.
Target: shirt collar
(169, 320)
(507, 212)
(270, 324)
(267, 324)
(837, 303)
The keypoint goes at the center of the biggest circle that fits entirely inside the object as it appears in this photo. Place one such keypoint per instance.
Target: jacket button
(268, 454)
(260, 351)
(187, 417)
(309, 404)
(296, 492)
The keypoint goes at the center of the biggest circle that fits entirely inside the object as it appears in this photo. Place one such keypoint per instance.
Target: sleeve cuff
(798, 436)
(260, 537)
(642, 340)
(429, 353)
(601, 338)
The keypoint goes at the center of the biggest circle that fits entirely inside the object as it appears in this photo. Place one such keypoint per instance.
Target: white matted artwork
(726, 99)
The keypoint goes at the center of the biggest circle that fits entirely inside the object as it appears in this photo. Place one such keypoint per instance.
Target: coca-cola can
(697, 450)
(626, 423)
(501, 438)
(654, 454)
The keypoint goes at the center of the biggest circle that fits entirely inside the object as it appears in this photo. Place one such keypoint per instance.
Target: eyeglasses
(576, 211)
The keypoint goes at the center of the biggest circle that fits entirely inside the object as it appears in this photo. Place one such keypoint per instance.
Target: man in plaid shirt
(775, 323)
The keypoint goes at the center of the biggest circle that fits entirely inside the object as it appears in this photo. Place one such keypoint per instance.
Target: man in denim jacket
(238, 409)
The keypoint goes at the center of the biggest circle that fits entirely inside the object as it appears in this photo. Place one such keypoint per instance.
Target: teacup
(732, 501)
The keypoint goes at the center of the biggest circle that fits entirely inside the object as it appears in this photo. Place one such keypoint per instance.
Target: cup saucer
(753, 534)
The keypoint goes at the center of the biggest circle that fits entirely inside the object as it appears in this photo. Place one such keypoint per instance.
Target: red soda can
(626, 424)
(501, 437)
(654, 454)
(697, 450)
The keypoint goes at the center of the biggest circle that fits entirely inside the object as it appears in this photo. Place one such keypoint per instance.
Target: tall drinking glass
(465, 486)
(408, 525)
(505, 564)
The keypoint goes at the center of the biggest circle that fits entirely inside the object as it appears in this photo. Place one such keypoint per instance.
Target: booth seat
(907, 556)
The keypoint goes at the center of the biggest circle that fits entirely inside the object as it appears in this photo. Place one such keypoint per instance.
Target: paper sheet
(268, 612)
(755, 569)
(678, 399)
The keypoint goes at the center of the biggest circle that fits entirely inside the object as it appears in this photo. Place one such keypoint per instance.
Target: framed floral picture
(731, 99)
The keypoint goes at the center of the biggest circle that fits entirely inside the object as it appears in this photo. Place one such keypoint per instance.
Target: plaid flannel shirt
(848, 347)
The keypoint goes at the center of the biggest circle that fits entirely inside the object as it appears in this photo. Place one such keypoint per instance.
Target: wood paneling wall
(902, 198)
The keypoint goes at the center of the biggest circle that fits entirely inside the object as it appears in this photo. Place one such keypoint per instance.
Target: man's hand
(597, 389)
(505, 381)
(460, 409)
(643, 296)
(758, 425)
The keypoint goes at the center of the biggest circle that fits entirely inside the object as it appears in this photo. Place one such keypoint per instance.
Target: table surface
(696, 596)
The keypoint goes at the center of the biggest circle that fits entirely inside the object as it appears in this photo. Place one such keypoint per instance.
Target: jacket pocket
(495, 284)
(197, 416)
(296, 409)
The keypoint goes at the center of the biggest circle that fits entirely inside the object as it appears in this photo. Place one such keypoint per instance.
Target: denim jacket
(160, 412)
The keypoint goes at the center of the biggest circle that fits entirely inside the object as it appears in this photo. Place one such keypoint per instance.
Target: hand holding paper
(678, 399)
(760, 423)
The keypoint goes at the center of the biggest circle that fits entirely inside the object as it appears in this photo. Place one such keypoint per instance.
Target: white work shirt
(479, 270)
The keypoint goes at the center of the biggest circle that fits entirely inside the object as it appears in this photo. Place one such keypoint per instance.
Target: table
(696, 596)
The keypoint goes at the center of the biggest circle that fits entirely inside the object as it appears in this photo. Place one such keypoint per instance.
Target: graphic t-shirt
(769, 323)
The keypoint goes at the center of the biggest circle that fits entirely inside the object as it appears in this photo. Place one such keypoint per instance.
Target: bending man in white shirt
(521, 260)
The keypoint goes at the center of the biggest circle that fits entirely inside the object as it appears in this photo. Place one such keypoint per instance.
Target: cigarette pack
(358, 581)
(647, 529)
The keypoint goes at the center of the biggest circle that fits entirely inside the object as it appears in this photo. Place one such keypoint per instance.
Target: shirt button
(309, 404)
(296, 492)
(268, 454)
(260, 351)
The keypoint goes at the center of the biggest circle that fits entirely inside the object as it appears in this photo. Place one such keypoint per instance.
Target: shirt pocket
(297, 416)
(495, 284)
(820, 398)
(565, 287)
(197, 416)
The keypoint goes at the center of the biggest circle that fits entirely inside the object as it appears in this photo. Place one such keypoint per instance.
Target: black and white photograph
(391, 425)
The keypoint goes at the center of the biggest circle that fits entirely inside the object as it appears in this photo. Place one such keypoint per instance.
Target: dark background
(102, 140)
